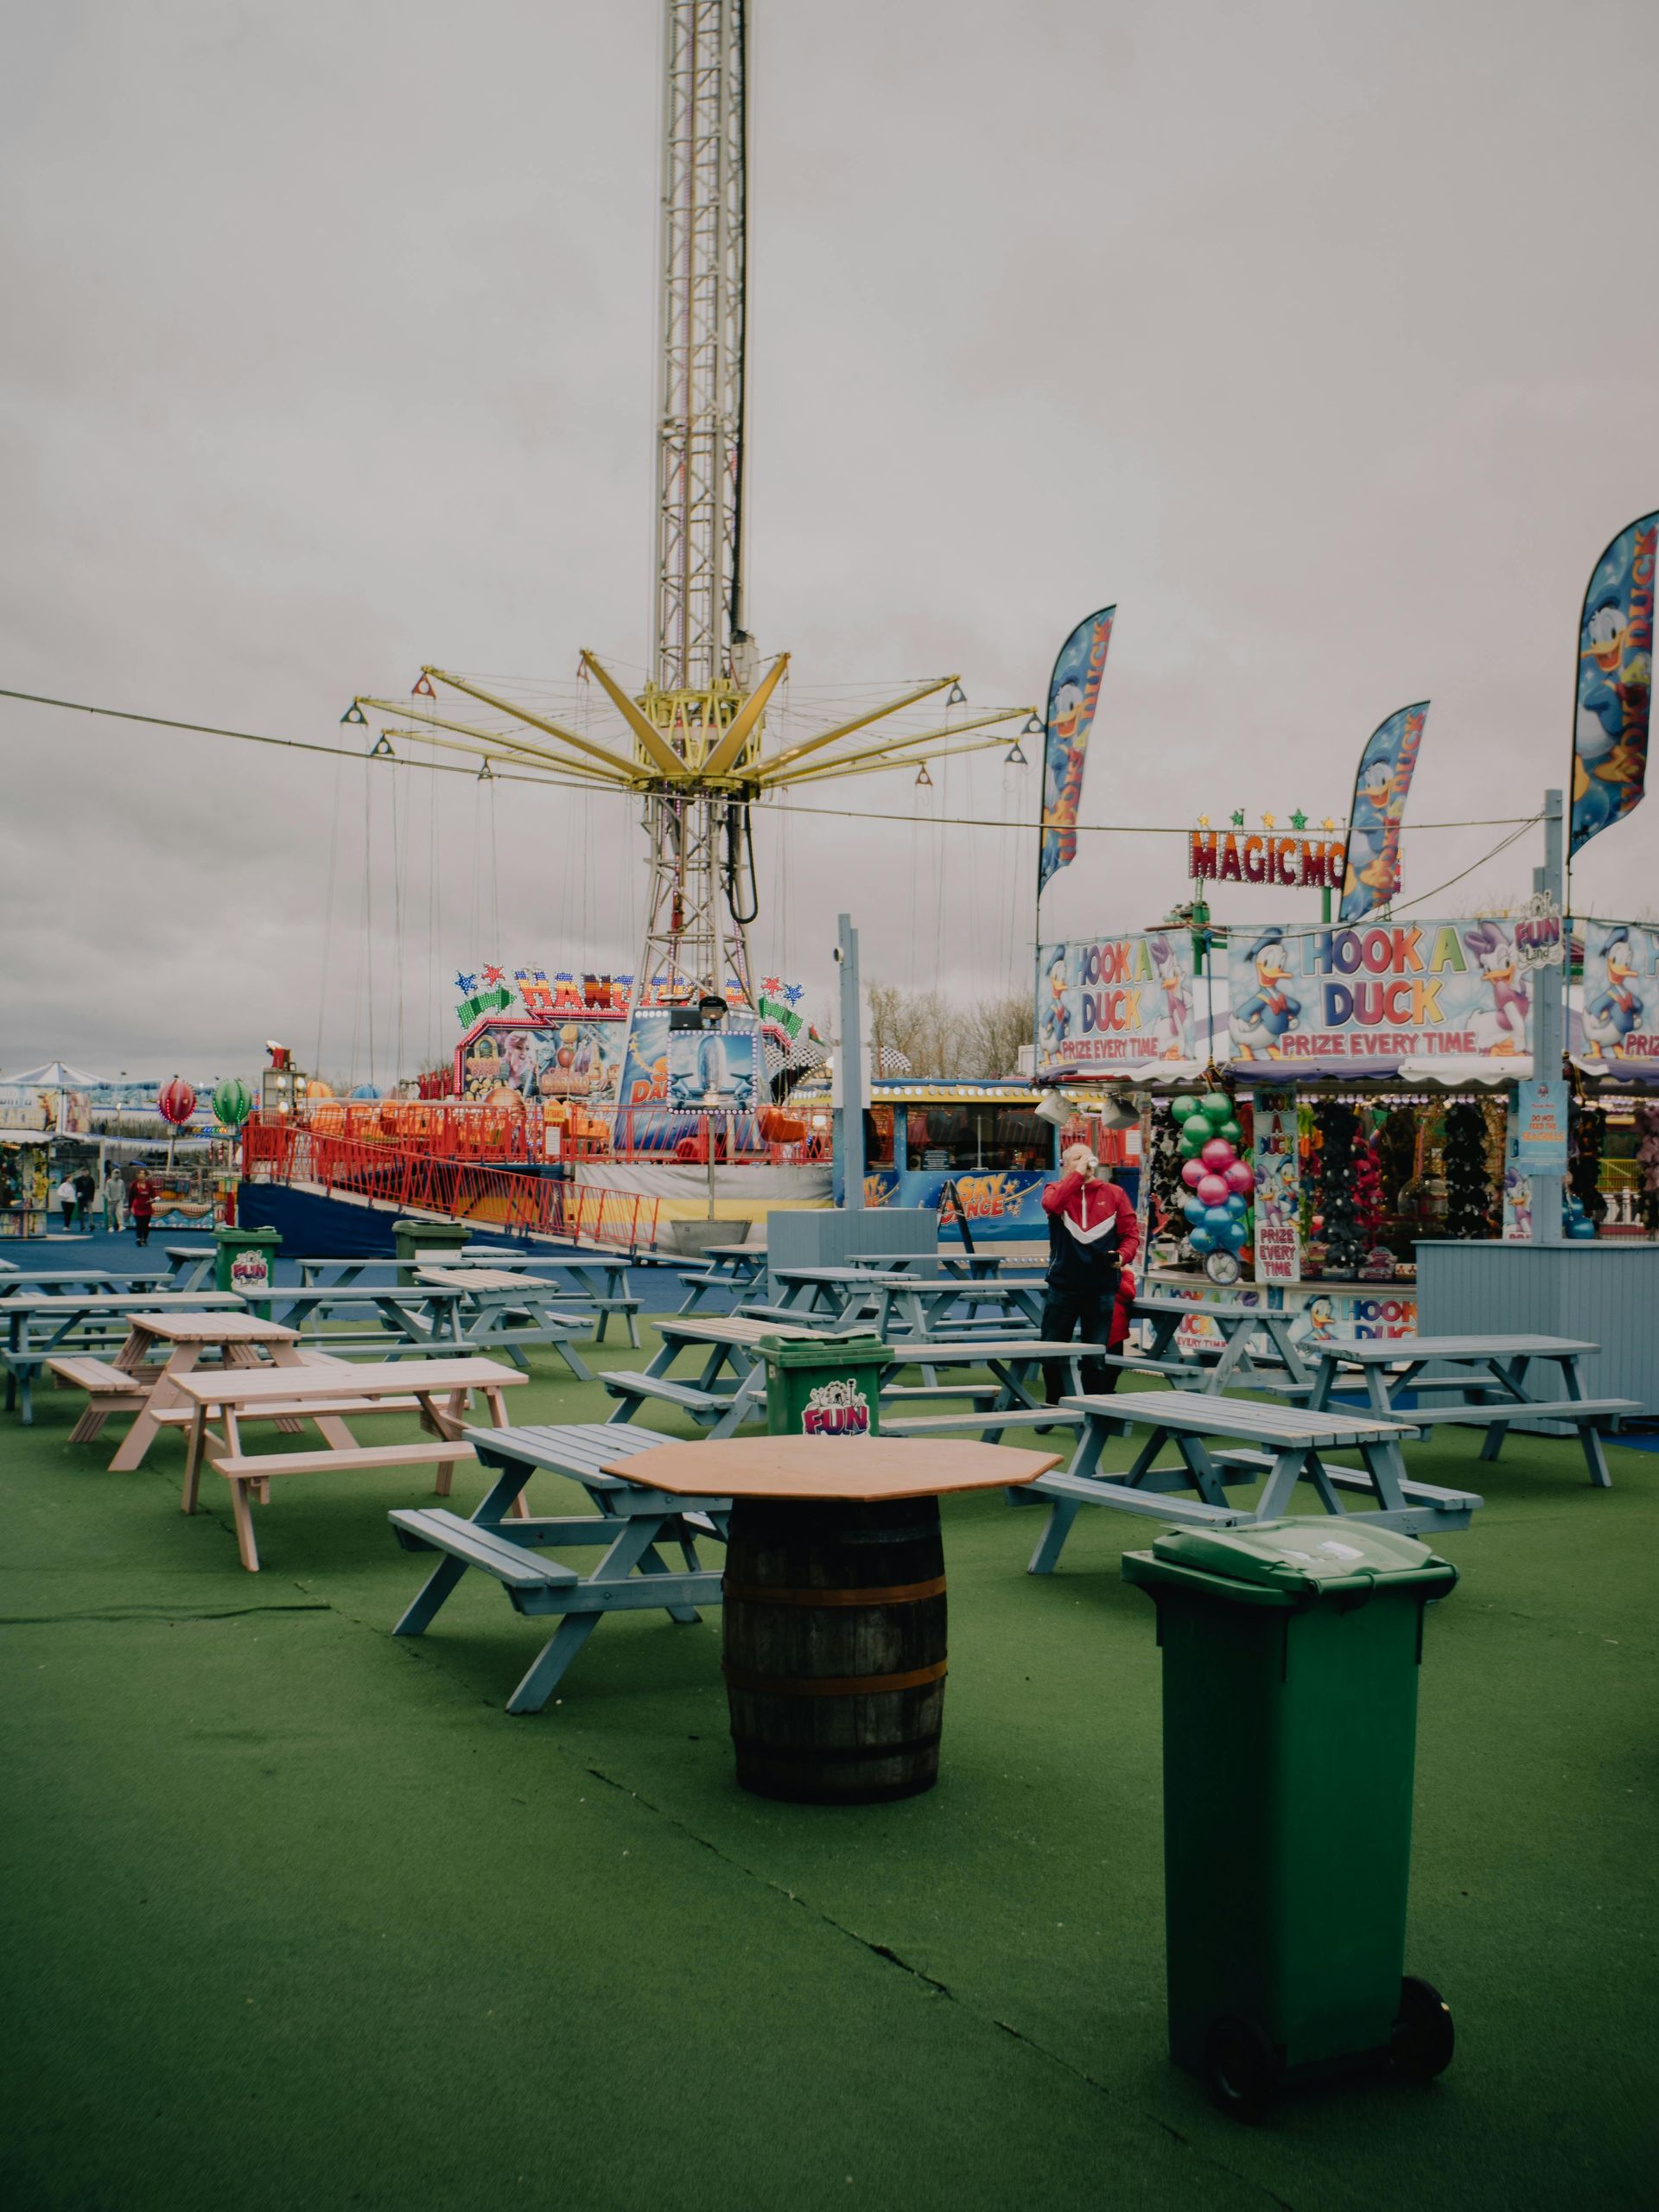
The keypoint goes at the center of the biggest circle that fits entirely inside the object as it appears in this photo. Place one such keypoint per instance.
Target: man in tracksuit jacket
(1092, 1235)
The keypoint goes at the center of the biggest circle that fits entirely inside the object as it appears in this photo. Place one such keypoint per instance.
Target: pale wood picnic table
(37, 1327)
(128, 1383)
(327, 1394)
(1287, 1444)
(1492, 1374)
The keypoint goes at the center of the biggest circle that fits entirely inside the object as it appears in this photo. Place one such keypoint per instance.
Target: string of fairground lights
(771, 806)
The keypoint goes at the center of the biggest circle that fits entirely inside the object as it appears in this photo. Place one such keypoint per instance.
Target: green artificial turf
(294, 1915)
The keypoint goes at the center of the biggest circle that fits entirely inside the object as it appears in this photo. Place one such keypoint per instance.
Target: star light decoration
(1238, 818)
(1299, 820)
(1269, 822)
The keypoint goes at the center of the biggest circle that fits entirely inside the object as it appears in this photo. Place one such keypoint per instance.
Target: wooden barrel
(835, 1621)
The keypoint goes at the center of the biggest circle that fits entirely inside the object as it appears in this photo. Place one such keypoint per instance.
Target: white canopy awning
(56, 1074)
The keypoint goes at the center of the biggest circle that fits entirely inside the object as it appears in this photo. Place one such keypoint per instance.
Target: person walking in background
(141, 1204)
(65, 1195)
(1092, 1234)
(115, 1201)
(86, 1191)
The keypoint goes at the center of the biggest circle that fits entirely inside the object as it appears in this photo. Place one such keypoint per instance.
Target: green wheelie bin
(246, 1261)
(824, 1386)
(1291, 1651)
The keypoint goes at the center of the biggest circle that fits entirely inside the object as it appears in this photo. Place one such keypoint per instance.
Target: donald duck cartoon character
(1370, 878)
(1492, 948)
(1615, 683)
(1269, 1012)
(1609, 1020)
(1056, 1018)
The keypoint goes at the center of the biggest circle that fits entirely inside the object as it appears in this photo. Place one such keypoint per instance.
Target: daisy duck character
(1491, 947)
(1260, 1023)
(1609, 1020)
(1177, 1009)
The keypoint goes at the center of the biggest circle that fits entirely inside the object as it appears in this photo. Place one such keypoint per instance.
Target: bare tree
(950, 1043)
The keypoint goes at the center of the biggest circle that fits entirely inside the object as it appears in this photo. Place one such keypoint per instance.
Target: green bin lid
(1299, 1557)
(824, 1351)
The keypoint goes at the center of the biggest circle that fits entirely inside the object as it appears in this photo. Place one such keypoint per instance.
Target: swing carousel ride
(692, 746)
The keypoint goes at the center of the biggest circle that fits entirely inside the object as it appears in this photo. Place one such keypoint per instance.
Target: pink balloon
(1192, 1173)
(1238, 1178)
(1218, 1154)
(1212, 1191)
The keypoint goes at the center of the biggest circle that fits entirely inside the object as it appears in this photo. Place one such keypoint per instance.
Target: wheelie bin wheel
(1423, 2039)
(1241, 2068)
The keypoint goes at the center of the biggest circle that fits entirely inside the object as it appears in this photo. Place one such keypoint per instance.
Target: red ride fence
(495, 1198)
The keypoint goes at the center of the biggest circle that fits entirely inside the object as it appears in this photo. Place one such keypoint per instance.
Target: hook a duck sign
(1115, 1002)
(1357, 1000)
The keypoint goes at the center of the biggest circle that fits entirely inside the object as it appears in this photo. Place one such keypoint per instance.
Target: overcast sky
(1319, 337)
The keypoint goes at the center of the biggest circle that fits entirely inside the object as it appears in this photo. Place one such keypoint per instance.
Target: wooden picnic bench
(627, 1521)
(38, 1330)
(132, 1382)
(1491, 1374)
(327, 1394)
(1287, 1444)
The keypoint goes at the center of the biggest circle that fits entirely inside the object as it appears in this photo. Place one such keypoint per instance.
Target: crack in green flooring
(295, 1915)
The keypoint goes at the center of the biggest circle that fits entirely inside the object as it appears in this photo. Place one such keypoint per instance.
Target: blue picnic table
(629, 1522)
(1229, 1352)
(1285, 1443)
(1492, 1375)
(729, 1386)
(430, 1319)
(732, 1268)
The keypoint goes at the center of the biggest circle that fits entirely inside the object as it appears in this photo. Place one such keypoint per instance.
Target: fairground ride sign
(1225, 856)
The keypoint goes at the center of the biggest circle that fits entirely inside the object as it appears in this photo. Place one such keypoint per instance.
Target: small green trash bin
(411, 1239)
(1291, 1651)
(824, 1386)
(246, 1261)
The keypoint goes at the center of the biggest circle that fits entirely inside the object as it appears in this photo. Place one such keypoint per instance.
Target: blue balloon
(1216, 1218)
(1194, 1207)
(1233, 1237)
(1202, 1241)
(1236, 1203)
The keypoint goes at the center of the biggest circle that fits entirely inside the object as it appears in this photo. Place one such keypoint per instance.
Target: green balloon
(233, 1103)
(1231, 1131)
(1194, 1140)
(1218, 1106)
(1180, 1108)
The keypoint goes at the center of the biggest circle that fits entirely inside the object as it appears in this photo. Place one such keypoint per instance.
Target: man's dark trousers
(1084, 1313)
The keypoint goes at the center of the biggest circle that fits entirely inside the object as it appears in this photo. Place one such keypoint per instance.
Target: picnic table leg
(449, 1426)
(130, 1453)
(548, 1668)
(1236, 1333)
(1058, 1527)
(1287, 1472)
(433, 1592)
(1590, 1438)
(246, 1545)
(192, 1450)
(573, 1359)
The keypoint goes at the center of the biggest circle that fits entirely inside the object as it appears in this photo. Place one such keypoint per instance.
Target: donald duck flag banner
(1615, 692)
(1380, 789)
(1073, 694)
(1620, 1016)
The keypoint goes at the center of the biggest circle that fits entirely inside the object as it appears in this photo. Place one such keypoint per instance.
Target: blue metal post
(850, 1064)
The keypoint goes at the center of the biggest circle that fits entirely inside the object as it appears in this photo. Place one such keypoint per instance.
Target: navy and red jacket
(1092, 1235)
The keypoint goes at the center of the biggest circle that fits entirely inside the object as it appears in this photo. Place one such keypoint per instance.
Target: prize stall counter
(25, 1184)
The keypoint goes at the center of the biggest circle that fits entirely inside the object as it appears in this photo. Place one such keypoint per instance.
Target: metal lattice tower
(703, 314)
(694, 749)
